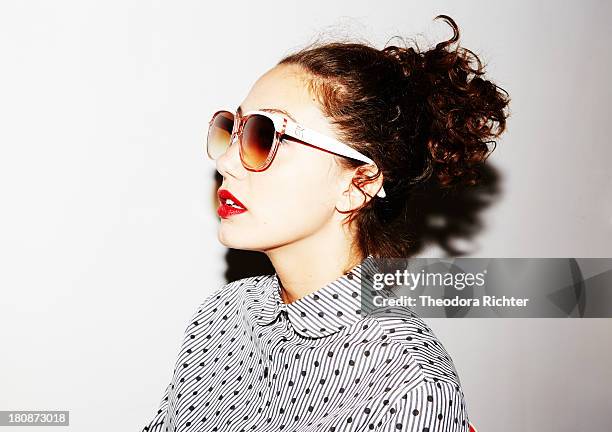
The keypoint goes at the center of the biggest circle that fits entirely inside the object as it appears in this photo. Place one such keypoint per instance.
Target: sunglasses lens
(257, 140)
(219, 134)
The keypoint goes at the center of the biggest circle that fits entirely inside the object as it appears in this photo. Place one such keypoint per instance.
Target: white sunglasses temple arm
(319, 140)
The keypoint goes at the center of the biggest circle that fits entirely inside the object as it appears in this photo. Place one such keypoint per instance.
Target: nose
(229, 164)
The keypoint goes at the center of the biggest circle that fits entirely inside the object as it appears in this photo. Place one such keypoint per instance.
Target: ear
(352, 198)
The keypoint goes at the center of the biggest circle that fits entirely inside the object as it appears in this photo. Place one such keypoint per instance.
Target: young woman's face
(295, 198)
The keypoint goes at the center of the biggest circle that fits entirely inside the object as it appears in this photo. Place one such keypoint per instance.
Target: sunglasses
(260, 133)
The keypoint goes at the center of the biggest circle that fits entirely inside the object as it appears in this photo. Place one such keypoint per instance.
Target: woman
(318, 162)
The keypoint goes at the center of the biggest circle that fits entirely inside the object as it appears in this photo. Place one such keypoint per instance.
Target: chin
(234, 238)
(226, 237)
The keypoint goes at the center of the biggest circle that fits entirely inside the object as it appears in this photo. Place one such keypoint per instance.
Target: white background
(107, 225)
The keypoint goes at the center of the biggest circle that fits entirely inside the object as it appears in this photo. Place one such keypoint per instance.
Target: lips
(230, 205)
(225, 195)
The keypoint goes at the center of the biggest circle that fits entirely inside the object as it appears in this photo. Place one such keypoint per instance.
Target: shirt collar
(323, 312)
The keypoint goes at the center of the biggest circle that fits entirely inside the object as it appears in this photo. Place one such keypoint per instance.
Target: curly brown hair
(419, 115)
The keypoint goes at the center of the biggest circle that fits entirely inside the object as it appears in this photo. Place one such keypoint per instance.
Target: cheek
(291, 200)
(298, 194)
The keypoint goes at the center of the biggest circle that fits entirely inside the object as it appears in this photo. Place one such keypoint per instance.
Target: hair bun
(412, 68)
(446, 103)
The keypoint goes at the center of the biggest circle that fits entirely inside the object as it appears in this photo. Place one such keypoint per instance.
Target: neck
(309, 264)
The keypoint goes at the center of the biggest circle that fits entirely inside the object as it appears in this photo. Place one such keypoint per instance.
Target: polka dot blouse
(250, 362)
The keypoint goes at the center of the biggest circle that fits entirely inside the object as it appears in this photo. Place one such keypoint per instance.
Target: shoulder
(402, 327)
(228, 295)
(431, 406)
(218, 308)
(414, 374)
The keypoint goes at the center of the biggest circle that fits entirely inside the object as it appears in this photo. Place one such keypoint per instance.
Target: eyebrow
(276, 110)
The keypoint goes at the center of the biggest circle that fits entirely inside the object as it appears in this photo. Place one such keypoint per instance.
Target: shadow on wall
(438, 217)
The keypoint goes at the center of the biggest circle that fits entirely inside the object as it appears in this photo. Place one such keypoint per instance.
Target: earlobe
(346, 200)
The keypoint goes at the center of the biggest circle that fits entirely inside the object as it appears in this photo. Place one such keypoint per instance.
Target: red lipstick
(229, 204)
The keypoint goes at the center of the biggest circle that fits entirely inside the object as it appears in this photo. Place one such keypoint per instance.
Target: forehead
(284, 88)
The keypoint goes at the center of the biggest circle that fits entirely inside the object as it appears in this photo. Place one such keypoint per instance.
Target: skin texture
(291, 215)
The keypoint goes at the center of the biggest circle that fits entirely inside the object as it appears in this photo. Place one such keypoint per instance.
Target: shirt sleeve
(430, 407)
(157, 423)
